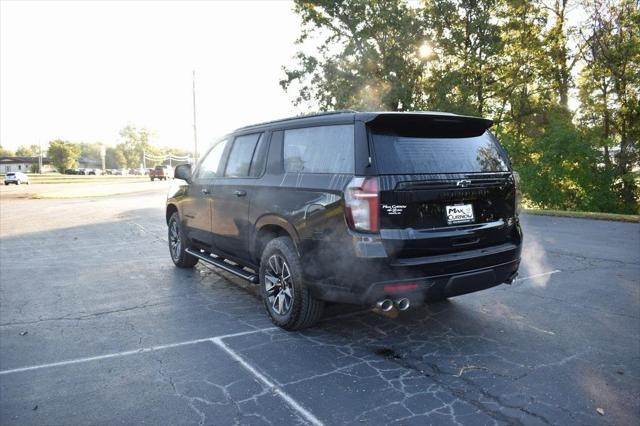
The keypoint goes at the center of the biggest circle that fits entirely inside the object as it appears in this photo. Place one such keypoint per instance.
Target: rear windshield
(411, 155)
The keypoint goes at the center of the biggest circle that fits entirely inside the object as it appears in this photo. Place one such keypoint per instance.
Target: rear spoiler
(426, 124)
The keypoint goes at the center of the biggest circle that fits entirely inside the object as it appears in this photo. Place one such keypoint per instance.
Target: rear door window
(412, 155)
(321, 149)
(241, 154)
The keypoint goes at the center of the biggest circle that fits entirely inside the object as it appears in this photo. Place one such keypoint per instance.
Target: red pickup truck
(161, 172)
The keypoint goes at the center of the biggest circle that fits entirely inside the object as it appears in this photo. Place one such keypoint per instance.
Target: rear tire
(286, 296)
(178, 244)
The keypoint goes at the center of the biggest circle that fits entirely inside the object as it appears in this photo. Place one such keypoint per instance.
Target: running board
(235, 270)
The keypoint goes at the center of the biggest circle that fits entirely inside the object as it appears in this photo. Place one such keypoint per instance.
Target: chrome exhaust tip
(403, 304)
(385, 305)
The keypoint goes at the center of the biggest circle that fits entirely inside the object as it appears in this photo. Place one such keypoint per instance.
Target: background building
(24, 164)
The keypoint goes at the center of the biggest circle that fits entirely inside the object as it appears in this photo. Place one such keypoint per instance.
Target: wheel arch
(268, 228)
(171, 209)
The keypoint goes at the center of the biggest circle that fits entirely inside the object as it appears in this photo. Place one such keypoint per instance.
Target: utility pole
(195, 133)
(40, 157)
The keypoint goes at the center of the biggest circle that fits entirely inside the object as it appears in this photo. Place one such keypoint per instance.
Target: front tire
(286, 296)
(178, 244)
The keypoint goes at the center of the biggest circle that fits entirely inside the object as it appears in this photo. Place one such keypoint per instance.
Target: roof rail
(313, 114)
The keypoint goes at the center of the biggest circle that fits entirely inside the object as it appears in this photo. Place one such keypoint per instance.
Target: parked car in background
(161, 172)
(94, 172)
(16, 178)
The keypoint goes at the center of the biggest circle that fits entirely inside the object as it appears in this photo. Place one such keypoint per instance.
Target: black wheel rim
(278, 284)
(174, 240)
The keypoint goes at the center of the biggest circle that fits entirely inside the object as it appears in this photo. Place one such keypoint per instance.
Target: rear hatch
(445, 184)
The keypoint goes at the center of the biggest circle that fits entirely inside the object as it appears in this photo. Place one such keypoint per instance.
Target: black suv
(376, 208)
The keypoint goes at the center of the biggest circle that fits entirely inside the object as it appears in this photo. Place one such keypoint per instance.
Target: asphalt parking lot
(98, 327)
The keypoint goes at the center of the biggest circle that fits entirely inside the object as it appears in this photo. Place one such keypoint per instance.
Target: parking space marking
(306, 414)
(530, 277)
(131, 352)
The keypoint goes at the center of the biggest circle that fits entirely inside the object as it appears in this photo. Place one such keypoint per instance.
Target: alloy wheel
(279, 285)
(174, 240)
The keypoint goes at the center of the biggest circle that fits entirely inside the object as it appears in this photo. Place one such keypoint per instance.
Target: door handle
(205, 191)
(239, 193)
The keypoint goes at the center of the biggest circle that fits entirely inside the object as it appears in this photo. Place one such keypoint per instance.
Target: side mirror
(183, 171)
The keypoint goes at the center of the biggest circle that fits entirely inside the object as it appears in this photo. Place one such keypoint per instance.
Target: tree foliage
(29, 151)
(63, 154)
(135, 141)
(517, 61)
(6, 152)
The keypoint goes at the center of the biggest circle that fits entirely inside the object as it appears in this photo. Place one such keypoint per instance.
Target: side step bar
(235, 270)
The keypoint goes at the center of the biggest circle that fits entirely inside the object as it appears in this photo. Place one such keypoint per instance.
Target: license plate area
(459, 213)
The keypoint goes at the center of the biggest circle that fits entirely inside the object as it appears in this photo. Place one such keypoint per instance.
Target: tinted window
(323, 149)
(401, 155)
(241, 154)
(210, 165)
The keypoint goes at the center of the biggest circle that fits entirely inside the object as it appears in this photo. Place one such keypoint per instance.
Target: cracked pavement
(85, 278)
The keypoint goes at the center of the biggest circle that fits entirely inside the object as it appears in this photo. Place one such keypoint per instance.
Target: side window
(322, 149)
(210, 165)
(241, 154)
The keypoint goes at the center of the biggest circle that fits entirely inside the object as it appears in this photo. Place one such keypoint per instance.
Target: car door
(232, 197)
(197, 207)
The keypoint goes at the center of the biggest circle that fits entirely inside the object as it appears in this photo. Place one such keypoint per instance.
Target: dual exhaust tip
(385, 305)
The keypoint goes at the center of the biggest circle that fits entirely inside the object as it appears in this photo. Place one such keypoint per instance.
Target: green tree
(367, 59)
(468, 46)
(90, 150)
(135, 141)
(114, 159)
(28, 151)
(6, 152)
(63, 154)
(609, 87)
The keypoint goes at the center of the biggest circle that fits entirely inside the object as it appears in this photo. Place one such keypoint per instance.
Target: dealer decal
(394, 209)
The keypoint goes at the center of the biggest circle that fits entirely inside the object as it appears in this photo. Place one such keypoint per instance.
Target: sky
(81, 71)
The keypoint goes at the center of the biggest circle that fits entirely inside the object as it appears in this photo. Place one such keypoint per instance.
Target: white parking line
(306, 414)
(127, 353)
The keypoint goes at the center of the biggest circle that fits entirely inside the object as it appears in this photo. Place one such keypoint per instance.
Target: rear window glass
(408, 155)
(322, 149)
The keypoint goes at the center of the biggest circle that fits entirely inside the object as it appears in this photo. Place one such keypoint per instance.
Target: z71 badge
(394, 209)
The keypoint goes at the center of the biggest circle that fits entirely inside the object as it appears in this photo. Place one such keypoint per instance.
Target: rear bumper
(421, 289)
(365, 281)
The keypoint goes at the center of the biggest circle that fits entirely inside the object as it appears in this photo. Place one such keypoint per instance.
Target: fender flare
(274, 220)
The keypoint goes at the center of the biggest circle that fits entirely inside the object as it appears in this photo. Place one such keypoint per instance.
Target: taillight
(362, 203)
(516, 182)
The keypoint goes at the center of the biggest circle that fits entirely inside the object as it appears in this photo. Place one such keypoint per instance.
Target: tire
(17, 182)
(151, 179)
(302, 309)
(6, 184)
(178, 244)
